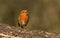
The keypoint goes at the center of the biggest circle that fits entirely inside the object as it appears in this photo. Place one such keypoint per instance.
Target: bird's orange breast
(23, 18)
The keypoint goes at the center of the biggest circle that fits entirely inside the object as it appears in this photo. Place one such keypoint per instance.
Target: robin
(23, 18)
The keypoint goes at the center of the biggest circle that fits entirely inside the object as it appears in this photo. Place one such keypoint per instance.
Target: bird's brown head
(24, 12)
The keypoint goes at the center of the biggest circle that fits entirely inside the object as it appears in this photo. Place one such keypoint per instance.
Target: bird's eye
(27, 14)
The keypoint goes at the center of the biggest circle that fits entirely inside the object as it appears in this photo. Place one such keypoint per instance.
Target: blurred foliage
(44, 14)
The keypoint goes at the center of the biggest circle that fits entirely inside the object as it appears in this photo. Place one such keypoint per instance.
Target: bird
(23, 18)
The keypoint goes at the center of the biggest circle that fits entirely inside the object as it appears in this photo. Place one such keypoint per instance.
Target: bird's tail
(21, 25)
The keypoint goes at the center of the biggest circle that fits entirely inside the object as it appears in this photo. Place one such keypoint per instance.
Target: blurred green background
(43, 14)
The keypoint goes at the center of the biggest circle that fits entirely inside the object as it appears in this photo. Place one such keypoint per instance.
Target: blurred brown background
(44, 14)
